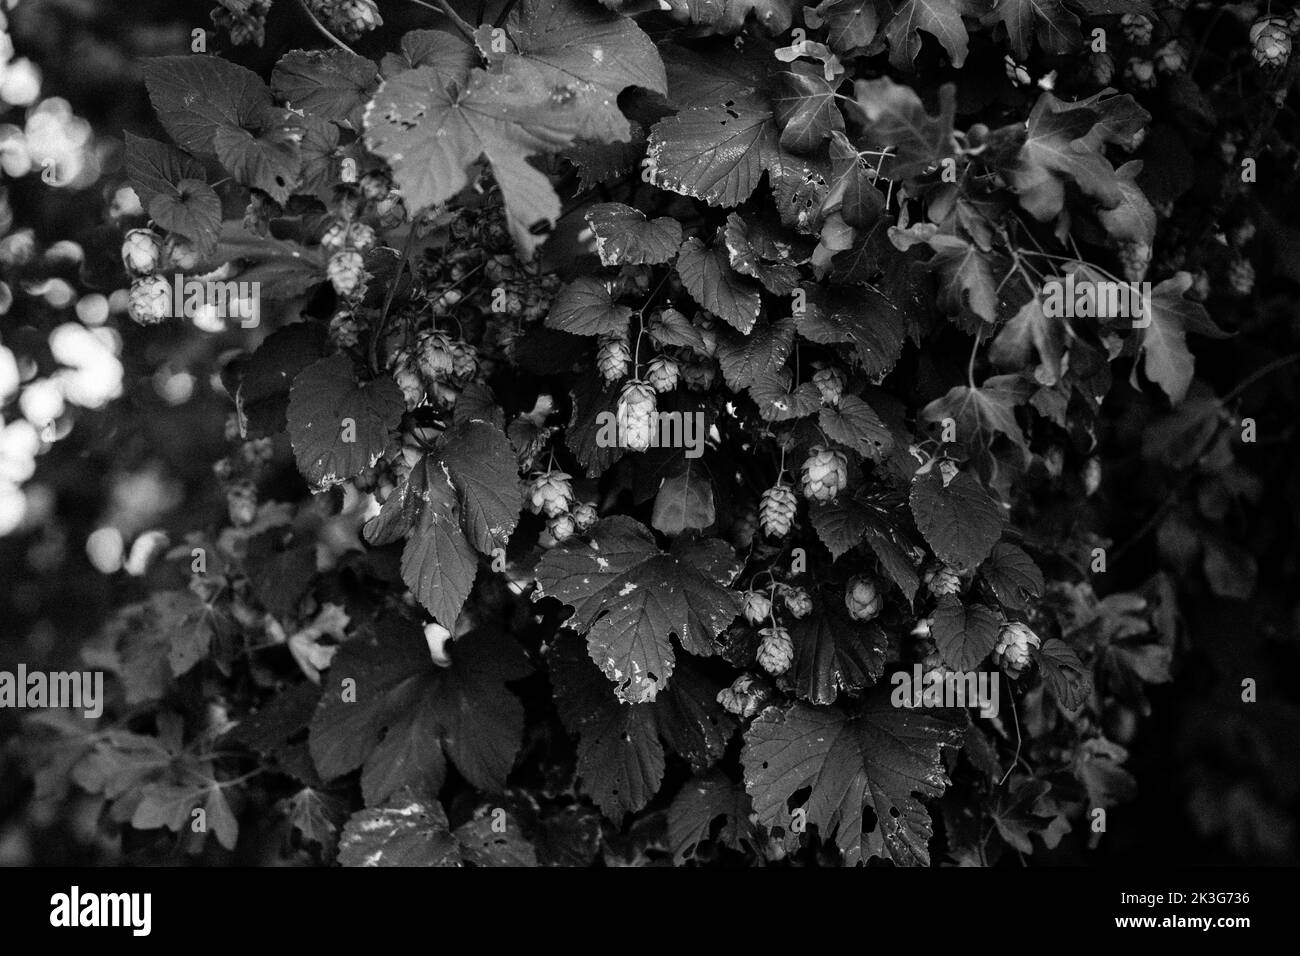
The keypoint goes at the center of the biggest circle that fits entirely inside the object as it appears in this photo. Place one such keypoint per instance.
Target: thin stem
(461, 24)
(323, 29)
(1016, 718)
(505, 12)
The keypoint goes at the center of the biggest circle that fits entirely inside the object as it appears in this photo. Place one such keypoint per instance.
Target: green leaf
(439, 563)
(716, 153)
(861, 316)
(700, 803)
(193, 210)
(630, 599)
(981, 414)
(621, 746)
(1028, 332)
(763, 352)
(340, 426)
(624, 237)
(483, 469)
(157, 169)
(592, 397)
(806, 109)
(883, 757)
(573, 49)
(684, 503)
(778, 402)
(283, 269)
(482, 844)
(431, 131)
(1165, 357)
(960, 522)
(148, 641)
(707, 275)
(262, 394)
(449, 54)
(939, 18)
(834, 653)
(195, 97)
(408, 830)
(1013, 575)
(897, 120)
(964, 635)
(388, 709)
(850, 24)
(315, 815)
(331, 84)
(1063, 672)
(1056, 28)
(853, 193)
(270, 161)
(586, 306)
(760, 252)
(854, 424)
(1056, 149)
(966, 279)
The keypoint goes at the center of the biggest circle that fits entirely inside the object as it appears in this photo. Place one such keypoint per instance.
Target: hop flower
(1102, 68)
(824, 474)
(551, 494)
(662, 374)
(584, 515)
(376, 186)
(830, 382)
(1242, 233)
(241, 503)
(797, 601)
(775, 650)
(612, 358)
(353, 18)
(390, 212)
(1271, 42)
(742, 698)
(862, 599)
(700, 374)
(248, 26)
(1140, 73)
(562, 527)
(464, 361)
(1091, 476)
(942, 580)
(1012, 651)
(343, 331)
(636, 411)
(1171, 58)
(1241, 277)
(435, 355)
(150, 301)
(776, 510)
(141, 252)
(756, 606)
(345, 271)
(409, 381)
(1137, 29)
(1135, 257)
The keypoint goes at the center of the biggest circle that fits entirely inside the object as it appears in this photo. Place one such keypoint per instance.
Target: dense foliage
(622, 396)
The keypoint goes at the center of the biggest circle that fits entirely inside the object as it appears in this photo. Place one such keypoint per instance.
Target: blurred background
(109, 431)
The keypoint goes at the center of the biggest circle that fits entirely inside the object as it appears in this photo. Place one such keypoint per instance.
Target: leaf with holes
(630, 599)
(880, 758)
(340, 426)
(625, 237)
(862, 317)
(333, 84)
(408, 830)
(697, 808)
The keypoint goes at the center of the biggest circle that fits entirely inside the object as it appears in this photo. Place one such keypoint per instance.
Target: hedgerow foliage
(448, 621)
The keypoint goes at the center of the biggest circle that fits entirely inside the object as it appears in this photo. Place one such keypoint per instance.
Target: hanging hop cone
(662, 374)
(756, 606)
(636, 415)
(150, 300)
(1140, 73)
(1137, 29)
(562, 527)
(824, 474)
(346, 270)
(1270, 40)
(775, 650)
(942, 580)
(551, 494)
(351, 18)
(776, 510)
(1171, 58)
(241, 503)
(142, 252)
(862, 599)
(613, 358)
(1012, 651)
(407, 376)
(797, 601)
(584, 515)
(830, 382)
(434, 352)
(743, 698)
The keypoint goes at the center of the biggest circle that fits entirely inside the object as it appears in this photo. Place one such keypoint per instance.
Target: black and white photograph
(734, 435)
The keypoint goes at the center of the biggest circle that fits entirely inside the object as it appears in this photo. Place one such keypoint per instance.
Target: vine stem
(461, 24)
(1016, 759)
(505, 12)
(324, 31)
